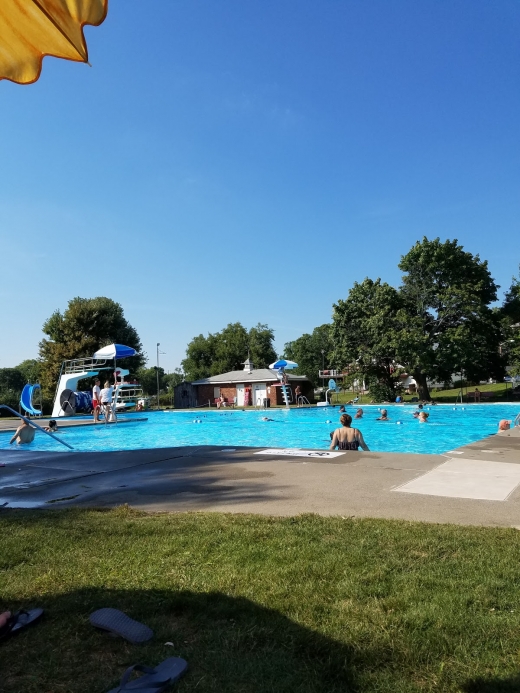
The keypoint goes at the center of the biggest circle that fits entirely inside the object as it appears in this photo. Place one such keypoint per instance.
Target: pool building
(248, 387)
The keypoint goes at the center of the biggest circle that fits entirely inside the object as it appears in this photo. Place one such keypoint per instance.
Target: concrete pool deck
(247, 480)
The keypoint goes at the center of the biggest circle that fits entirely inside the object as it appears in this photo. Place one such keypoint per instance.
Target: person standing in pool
(24, 434)
(359, 414)
(384, 415)
(347, 438)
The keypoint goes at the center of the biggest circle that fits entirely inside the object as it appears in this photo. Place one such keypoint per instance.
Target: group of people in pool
(349, 438)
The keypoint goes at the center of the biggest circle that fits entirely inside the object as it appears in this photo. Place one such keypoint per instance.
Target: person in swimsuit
(423, 417)
(347, 438)
(384, 415)
(359, 414)
(96, 400)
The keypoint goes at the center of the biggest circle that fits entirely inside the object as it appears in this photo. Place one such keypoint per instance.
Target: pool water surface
(448, 427)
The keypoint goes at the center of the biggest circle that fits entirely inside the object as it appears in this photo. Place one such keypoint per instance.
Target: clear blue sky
(248, 161)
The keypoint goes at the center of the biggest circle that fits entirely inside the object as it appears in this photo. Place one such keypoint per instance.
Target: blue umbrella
(114, 351)
(283, 363)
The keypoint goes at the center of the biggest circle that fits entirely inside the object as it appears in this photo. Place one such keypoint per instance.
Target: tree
(446, 324)
(510, 314)
(31, 370)
(12, 379)
(363, 332)
(227, 350)
(311, 352)
(87, 325)
(147, 378)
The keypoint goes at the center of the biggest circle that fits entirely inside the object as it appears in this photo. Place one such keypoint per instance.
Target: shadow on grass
(511, 685)
(231, 644)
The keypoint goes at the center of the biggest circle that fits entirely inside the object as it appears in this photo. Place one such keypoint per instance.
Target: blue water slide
(27, 397)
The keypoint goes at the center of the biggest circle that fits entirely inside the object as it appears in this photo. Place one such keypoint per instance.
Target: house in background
(248, 387)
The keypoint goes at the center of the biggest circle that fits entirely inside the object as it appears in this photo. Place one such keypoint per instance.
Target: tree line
(442, 319)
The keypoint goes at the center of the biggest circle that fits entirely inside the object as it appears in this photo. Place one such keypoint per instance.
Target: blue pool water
(448, 427)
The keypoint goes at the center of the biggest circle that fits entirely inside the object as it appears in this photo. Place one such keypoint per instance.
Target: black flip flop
(118, 623)
(20, 620)
(153, 680)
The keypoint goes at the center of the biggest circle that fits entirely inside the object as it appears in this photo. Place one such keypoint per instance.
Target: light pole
(158, 345)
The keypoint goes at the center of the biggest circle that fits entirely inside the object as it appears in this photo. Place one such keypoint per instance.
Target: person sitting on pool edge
(384, 415)
(347, 438)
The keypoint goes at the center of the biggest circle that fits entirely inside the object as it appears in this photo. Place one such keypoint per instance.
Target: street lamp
(158, 352)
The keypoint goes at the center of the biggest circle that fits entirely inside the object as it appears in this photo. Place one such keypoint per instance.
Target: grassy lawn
(500, 391)
(260, 605)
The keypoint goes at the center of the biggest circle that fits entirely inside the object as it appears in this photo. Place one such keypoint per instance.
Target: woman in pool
(423, 417)
(347, 438)
(359, 414)
(384, 415)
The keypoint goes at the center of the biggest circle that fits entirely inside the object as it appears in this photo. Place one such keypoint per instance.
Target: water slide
(27, 398)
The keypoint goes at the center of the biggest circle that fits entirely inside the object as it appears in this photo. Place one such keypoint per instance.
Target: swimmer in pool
(423, 417)
(384, 415)
(266, 418)
(359, 414)
(52, 427)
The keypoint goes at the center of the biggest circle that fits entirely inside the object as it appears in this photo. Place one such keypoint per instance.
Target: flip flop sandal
(118, 623)
(19, 620)
(154, 680)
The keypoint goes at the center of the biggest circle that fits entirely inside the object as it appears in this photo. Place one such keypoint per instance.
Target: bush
(381, 392)
(11, 398)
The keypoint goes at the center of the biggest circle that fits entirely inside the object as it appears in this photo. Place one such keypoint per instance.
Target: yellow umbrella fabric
(32, 29)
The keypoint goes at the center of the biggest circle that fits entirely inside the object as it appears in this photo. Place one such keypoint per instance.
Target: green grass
(263, 605)
(500, 391)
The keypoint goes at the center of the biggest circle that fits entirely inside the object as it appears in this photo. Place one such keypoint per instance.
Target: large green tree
(438, 323)
(87, 325)
(447, 323)
(228, 349)
(364, 332)
(311, 352)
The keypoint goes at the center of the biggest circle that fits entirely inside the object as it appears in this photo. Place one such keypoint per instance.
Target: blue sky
(248, 161)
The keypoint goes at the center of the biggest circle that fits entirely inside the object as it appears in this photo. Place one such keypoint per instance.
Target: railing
(516, 422)
(302, 401)
(333, 373)
(81, 365)
(31, 423)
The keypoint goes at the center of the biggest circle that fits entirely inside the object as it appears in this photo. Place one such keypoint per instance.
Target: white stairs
(286, 394)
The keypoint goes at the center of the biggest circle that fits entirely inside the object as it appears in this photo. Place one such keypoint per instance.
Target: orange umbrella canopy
(32, 29)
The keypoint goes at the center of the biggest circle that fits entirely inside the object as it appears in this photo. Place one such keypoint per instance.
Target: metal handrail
(83, 364)
(31, 423)
(516, 422)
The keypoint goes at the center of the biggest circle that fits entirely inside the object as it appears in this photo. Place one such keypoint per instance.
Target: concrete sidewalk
(246, 480)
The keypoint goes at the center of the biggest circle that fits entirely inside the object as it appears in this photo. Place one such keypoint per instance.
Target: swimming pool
(448, 427)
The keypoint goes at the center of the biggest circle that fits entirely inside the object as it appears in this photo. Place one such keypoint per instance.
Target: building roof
(257, 375)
